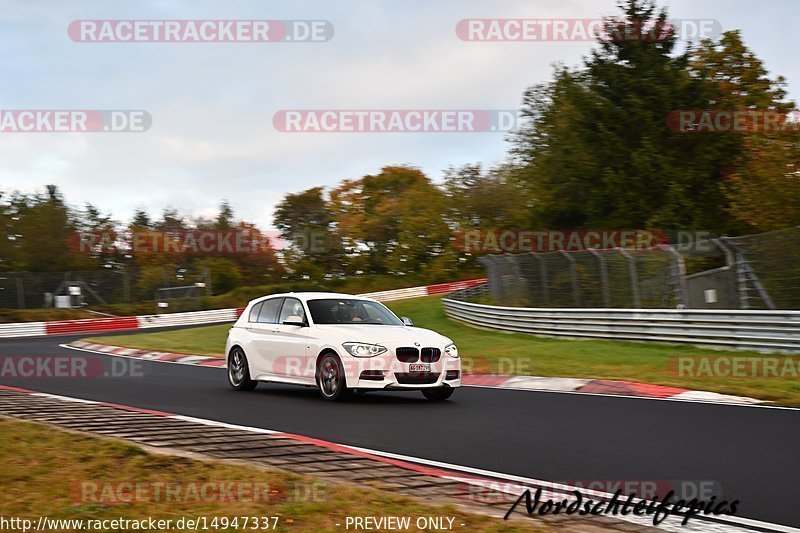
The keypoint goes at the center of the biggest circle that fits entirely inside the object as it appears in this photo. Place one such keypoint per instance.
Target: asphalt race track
(750, 452)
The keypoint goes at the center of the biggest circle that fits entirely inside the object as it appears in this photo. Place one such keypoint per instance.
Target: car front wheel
(439, 394)
(239, 371)
(331, 379)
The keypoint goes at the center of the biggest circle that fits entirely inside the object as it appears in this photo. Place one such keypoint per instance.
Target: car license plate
(419, 368)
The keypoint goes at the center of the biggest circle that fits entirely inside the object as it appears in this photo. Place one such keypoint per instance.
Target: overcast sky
(212, 104)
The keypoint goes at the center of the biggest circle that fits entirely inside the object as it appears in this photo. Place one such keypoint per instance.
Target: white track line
(136, 358)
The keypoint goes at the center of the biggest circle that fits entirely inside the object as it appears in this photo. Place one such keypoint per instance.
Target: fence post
(495, 288)
(730, 265)
(207, 275)
(20, 293)
(632, 276)
(543, 278)
(512, 280)
(745, 274)
(574, 268)
(680, 270)
(126, 286)
(603, 276)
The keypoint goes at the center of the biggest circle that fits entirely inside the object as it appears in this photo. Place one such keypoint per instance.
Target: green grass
(485, 351)
(208, 340)
(45, 470)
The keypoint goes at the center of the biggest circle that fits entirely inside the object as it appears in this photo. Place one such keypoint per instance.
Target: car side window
(254, 312)
(269, 311)
(291, 307)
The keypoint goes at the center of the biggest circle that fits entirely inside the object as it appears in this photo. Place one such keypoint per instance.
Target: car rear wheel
(439, 394)
(331, 379)
(239, 371)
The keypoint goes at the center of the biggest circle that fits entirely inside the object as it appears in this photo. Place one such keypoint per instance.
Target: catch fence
(750, 272)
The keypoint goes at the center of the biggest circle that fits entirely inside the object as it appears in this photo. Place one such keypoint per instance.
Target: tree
(42, 226)
(313, 245)
(171, 220)
(486, 199)
(764, 192)
(762, 183)
(394, 223)
(598, 152)
(8, 238)
(225, 217)
(225, 274)
(141, 219)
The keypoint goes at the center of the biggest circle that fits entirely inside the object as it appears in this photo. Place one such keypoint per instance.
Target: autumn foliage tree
(599, 152)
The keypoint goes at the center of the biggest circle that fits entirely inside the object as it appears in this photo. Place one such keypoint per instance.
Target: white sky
(212, 104)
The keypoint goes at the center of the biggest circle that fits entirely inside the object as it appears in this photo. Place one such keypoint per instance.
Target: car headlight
(360, 349)
(451, 350)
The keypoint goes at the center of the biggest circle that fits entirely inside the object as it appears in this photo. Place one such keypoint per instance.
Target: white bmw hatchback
(338, 343)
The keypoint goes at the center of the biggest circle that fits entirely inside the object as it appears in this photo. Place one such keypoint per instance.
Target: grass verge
(206, 340)
(487, 351)
(46, 472)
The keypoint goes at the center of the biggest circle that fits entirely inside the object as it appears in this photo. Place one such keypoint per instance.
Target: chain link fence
(751, 272)
(29, 290)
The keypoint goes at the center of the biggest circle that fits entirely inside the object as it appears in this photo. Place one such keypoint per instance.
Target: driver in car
(349, 314)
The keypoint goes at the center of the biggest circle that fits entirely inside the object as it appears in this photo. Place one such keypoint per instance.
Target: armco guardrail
(22, 329)
(746, 330)
(397, 294)
(426, 290)
(189, 318)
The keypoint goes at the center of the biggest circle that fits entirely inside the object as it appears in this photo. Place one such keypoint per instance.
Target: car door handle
(276, 331)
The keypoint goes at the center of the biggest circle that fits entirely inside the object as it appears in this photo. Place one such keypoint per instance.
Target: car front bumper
(386, 372)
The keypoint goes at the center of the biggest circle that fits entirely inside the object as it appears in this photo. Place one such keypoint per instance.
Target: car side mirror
(406, 321)
(294, 320)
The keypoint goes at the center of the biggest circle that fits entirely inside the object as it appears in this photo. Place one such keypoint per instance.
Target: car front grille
(407, 354)
(431, 355)
(416, 378)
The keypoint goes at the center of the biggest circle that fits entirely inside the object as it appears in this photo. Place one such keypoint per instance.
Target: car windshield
(345, 311)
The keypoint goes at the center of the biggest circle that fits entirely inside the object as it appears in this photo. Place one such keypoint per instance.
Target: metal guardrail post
(730, 265)
(632, 276)
(515, 278)
(730, 262)
(543, 278)
(574, 268)
(745, 272)
(603, 276)
(680, 264)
